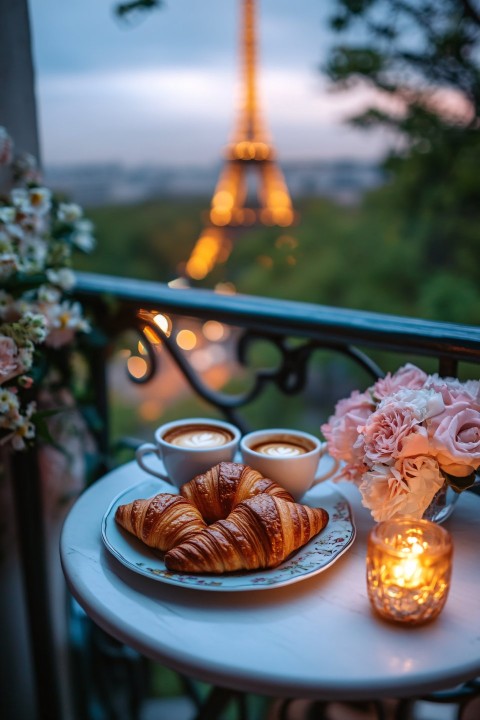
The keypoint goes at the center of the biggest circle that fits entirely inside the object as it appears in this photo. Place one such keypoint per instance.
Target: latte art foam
(280, 449)
(198, 437)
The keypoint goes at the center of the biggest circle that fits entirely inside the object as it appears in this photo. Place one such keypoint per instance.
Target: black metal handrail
(378, 330)
(448, 342)
(296, 330)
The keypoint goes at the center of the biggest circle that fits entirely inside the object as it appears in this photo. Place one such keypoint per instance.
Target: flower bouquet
(406, 438)
(38, 235)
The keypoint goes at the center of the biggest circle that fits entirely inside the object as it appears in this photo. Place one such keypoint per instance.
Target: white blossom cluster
(37, 238)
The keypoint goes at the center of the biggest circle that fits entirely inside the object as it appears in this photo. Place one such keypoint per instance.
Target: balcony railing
(297, 331)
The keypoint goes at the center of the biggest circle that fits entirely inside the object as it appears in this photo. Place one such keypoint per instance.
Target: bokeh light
(137, 366)
(186, 339)
(164, 323)
(213, 330)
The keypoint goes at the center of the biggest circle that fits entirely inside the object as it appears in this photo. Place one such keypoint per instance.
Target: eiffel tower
(249, 151)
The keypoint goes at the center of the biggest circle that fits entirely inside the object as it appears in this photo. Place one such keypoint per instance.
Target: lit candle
(408, 569)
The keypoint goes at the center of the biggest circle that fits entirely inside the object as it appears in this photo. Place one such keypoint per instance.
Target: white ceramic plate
(314, 557)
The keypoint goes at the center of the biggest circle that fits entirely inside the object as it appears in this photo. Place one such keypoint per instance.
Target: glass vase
(442, 505)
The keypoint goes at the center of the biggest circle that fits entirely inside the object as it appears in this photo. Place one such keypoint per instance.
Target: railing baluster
(31, 534)
(447, 367)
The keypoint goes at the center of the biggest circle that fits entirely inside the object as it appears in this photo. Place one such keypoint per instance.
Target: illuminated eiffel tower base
(250, 153)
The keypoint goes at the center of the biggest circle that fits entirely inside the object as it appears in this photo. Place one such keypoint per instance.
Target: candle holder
(408, 569)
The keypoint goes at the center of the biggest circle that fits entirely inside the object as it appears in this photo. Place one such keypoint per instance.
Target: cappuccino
(290, 457)
(186, 448)
(282, 448)
(198, 436)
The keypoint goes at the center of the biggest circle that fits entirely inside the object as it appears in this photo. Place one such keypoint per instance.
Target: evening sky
(164, 88)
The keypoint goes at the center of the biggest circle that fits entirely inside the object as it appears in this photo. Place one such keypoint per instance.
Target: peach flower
(407, 488)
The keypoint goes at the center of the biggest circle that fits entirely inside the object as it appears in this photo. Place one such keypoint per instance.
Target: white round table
(315, 639)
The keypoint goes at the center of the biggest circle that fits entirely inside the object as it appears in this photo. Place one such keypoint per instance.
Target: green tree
(423, 60)
(421, 54)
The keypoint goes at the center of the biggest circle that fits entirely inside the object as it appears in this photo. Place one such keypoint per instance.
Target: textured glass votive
(409, 565)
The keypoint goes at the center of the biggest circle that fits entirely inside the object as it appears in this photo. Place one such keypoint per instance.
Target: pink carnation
(391, 432)
(341, 431)
(408, 376)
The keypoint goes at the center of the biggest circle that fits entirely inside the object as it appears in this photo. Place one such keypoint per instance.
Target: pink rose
(406, 489)
(10, 361)
(455, 435)
(408, 376)
(341, 431)
(391, 432)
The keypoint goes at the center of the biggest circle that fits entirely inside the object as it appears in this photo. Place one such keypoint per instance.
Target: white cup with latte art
(188, 447)
(290, 457)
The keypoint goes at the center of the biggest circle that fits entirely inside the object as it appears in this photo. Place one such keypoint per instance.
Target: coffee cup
(188, 448)
(289, 457)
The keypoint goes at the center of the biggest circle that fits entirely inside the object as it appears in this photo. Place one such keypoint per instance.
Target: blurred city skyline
(164, 89)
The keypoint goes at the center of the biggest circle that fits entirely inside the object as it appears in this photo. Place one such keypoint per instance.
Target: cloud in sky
(165, 91)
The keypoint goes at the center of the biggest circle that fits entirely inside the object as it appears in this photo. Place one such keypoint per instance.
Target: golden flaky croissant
(162, 521)
(218, 491)
(260, 533)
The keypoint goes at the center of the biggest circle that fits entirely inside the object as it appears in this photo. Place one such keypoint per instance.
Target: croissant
(218, 491)
(162, 521)
(260, 533)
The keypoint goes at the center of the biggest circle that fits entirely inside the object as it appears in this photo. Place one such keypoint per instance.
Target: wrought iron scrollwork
(289, 375)
(152, 364)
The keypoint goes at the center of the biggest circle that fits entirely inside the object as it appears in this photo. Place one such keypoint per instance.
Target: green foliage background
(384, 254)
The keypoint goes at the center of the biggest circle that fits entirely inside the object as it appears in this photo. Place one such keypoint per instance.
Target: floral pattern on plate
(314, 557)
